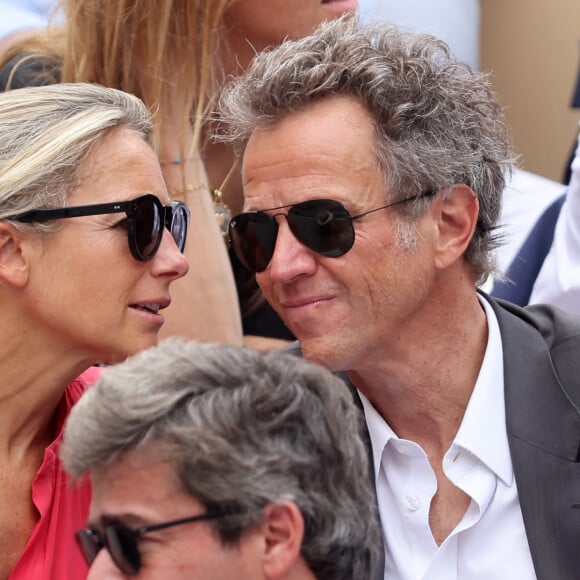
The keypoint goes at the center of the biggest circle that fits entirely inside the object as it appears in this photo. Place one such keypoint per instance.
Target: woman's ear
(13, 259)
(456, 211)
(283, 532)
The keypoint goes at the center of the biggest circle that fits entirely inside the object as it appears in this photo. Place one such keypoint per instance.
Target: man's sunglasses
(122, 542)
(322, 225)
(146, 218)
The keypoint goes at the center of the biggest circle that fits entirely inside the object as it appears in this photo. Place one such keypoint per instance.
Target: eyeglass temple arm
(429, 193)
(200, 517)
(70, 212)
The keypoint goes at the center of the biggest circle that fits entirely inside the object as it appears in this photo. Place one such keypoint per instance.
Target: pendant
(223, 213)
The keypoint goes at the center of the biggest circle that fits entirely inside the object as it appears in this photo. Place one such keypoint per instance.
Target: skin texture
(91, 311)
(406, 324)
(137, 495)
(138, 491)
(342, 308)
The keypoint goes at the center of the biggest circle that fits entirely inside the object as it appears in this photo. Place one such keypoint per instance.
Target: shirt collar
(483, 429)
(379, 432)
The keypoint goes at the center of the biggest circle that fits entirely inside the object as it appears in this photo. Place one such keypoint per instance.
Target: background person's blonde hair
(143, 47)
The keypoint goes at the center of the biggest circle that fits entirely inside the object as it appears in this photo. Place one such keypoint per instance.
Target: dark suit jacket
(541, 347)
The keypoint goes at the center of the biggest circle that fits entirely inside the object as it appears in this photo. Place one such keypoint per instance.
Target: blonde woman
(90, 244)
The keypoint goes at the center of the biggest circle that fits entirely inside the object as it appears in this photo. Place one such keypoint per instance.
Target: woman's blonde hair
(45, 134)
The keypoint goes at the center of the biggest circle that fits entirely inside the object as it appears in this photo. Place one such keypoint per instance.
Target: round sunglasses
(146, 219)
(322, 225)
(122, 542)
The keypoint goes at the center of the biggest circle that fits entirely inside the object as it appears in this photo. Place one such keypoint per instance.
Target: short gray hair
(437, 121)
(242, 429)
(46, 132)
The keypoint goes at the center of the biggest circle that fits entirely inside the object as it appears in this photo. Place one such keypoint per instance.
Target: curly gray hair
(437, 121)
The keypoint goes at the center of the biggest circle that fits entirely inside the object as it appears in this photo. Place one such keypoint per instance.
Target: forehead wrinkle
(330, 124)
(326, 150)
(312, 166)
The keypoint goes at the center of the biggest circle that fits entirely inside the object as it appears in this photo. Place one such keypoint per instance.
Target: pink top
(51, 552)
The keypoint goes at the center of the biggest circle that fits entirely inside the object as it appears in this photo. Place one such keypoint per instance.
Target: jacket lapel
(543, 425)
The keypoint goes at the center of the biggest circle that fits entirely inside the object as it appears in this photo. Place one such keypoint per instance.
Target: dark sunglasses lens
(148, 226)
(90, 544)
(122, 545)
(179, 223)
(253, 238)
(323, 225)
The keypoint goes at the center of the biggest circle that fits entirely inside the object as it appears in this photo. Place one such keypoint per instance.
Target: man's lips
(296, 303)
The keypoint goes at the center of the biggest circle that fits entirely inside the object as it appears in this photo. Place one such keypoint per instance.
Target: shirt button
(413, 502)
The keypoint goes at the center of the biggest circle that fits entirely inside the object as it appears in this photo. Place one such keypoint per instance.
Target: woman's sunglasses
(322, 225)
(122, 542)
(146, 219)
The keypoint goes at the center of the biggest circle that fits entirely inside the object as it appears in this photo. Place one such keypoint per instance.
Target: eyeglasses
(122, 542)
(145, 220)
(322, 225)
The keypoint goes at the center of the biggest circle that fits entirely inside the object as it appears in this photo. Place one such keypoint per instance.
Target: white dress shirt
(490, 540)
(525, 198)
(559, 279)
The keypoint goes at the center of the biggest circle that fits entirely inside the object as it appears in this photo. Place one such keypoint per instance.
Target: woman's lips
(151, 309)
(341, 5)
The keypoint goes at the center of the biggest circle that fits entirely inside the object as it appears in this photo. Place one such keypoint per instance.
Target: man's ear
(456, 212)
(13, 261)
(283, 531)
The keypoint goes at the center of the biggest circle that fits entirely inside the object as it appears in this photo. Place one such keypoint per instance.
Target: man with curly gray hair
(210, 461)
(373, 168)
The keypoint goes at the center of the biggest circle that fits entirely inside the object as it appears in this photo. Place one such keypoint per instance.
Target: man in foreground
(373, 166)
(214, 462)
